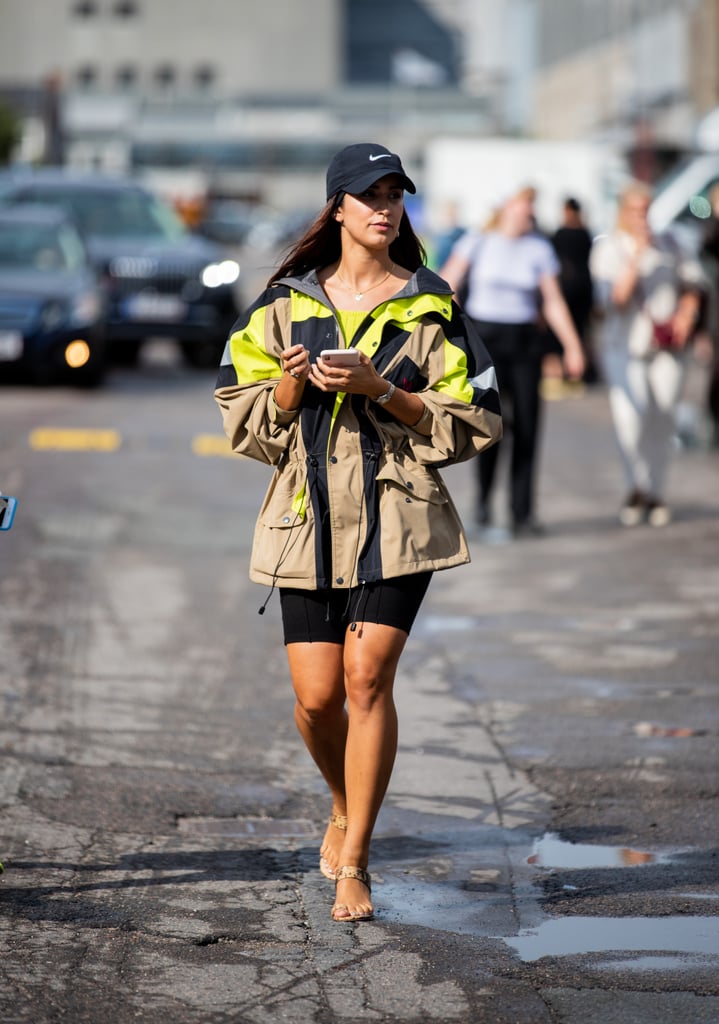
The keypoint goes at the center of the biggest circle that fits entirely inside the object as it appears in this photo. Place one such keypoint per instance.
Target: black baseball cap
(357, 167)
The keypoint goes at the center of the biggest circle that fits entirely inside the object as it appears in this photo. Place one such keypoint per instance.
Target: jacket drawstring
(372, 457)
(362, 593)
(312, 461)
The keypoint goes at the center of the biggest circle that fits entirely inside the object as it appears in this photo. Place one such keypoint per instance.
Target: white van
(681, 204)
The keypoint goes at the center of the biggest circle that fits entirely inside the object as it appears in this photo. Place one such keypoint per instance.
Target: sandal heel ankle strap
(359, 873)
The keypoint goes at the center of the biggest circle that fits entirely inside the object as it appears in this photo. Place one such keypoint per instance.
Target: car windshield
(40, 247)
(125, 213)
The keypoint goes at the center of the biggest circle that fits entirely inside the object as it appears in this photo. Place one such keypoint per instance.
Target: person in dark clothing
(710, 259)
(573, 243)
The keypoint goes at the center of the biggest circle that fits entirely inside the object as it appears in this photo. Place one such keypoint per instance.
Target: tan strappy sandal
(362, 876)
(339, 821)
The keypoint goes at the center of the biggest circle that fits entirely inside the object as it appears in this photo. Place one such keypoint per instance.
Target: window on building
(126, 76)
(86, 76)
(204, 76)
(165, 75)
(125, 9)
(84, 9)
(407, 25)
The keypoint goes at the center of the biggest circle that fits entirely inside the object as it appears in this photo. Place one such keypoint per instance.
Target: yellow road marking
(212, 444)
(77, 439)
(65, 439)
(554, 389)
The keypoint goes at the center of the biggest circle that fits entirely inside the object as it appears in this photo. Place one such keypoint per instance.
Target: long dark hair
(320, 245)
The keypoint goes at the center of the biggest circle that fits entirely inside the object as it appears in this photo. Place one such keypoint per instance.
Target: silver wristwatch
(383, 399)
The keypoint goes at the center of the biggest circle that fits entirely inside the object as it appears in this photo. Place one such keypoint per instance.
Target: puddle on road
(552, 852)
(574, 936)
(633, 943)
(674, 937)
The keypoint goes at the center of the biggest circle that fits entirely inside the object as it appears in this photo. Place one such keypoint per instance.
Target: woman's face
(518, 213)
(635, 209)
(372, 218)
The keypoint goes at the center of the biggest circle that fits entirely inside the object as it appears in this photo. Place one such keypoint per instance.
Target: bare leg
(318, 680)
(371, 655)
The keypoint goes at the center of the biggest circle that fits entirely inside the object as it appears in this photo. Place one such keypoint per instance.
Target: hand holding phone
(340, 356)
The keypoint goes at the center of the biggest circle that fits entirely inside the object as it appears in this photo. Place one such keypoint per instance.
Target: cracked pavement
(160, 818)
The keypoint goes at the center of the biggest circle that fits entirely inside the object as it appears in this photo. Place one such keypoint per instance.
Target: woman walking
(511, 276)
(649, 293)
(357, 516)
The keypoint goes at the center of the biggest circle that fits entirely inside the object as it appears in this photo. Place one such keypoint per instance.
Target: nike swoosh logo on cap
(381, 156)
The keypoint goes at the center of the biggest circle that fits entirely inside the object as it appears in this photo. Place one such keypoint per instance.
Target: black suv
(161, 280)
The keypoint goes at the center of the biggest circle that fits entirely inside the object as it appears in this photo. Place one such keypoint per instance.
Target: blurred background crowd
(226, 115)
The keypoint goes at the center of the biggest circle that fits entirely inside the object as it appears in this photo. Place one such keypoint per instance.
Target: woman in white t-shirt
(649, 293)
(511, 277)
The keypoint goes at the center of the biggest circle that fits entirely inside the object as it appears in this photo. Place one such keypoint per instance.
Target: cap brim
(365, 180)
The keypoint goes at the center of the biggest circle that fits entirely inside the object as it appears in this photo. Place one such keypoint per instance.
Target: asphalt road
(548, 848)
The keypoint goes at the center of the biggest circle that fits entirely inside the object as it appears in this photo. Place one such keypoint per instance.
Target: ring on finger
(293, 373)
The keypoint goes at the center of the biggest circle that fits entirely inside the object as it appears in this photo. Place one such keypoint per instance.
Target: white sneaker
(632, 511)
(658, 514)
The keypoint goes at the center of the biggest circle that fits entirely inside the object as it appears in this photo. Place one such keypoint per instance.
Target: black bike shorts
(323, 616)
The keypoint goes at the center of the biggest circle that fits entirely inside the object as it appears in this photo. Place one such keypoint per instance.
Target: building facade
(636, 72)
(240, 88)
(173, 48)
(255, 90)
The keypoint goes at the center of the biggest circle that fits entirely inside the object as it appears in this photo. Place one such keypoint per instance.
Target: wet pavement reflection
(552, 852)
(572, 936)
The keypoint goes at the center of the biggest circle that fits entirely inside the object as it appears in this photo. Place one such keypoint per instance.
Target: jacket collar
(423, 282)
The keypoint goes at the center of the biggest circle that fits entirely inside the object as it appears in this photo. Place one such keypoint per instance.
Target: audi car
(160, 278)
(52, 311)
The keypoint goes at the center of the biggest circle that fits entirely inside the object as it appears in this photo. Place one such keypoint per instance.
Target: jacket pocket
(285, 503)
(415, 483)
(283, 547)
(419, 527)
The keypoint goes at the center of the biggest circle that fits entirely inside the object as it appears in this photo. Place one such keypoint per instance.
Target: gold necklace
(360, 295)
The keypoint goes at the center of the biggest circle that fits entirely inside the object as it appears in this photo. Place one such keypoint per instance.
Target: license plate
(10, 345)
(156, 307)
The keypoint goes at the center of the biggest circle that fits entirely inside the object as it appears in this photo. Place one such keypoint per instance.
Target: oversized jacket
(357, 496)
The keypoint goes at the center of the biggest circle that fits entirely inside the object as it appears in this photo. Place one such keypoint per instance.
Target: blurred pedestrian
(649, 292)
(710, 260)
(511, 275)
(573, 243)
(450, 233)
(357, 517)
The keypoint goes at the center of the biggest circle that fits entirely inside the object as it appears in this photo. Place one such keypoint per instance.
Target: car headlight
(216, 274)
(82, 309)
(85, 308)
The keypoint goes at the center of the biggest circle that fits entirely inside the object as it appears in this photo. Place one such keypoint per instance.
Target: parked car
(161, 279)
(51, 303)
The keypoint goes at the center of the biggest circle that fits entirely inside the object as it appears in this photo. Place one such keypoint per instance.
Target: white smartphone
(341, 356)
